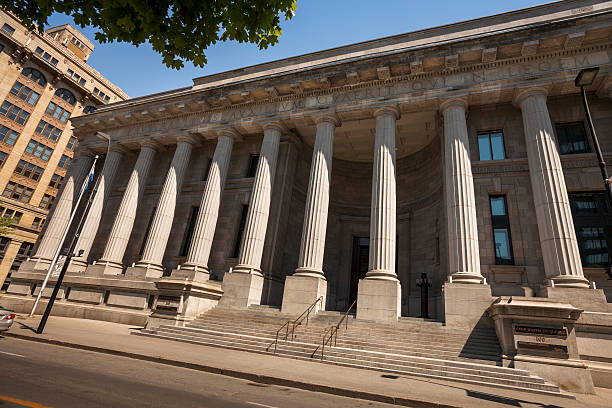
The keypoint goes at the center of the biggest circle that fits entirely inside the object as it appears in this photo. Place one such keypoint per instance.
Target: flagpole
(59, 247)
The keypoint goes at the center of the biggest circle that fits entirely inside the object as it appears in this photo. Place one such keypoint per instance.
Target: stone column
(9, 257)
(206, 222)
(244, 286)
(463, 251)
(90, 227)
(379, 295)
(150, 265)
(308, 282)
(62, 210)
(112, 257)
(560, 252)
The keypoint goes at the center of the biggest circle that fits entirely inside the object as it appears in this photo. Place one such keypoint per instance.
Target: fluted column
(206, 222)
(314, 229)
(92, 222)
(463, 251)
(161, 225)
(254, 237)
(383, 207)
(555, 224)
(122, 227)
(63, 208)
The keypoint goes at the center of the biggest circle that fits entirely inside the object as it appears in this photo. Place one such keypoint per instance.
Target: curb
(262, 379)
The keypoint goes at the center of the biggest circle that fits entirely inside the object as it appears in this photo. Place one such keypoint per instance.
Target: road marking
(260, 405)
(11, 354)
(22, 402)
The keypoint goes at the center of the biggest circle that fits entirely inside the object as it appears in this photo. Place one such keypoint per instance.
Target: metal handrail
(295, 323)
(333, 330)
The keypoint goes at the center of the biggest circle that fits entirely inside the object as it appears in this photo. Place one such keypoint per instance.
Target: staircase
(412, 347)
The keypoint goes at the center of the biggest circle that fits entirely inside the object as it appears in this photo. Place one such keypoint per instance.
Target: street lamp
(585, 78)
(424, 283)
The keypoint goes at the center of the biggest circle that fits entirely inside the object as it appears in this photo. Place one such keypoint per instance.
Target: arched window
(66, 95)
(89, 109)
(35, 75)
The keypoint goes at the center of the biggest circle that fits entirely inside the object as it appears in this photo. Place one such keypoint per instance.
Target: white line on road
(260, 405)
(11, 354)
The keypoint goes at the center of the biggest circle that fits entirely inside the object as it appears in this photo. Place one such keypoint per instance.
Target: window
(46, 56)
(57, 112)
(572, 138)
(189, 232)
(48, 131)
(38, 51)
(1, 47)
(593, 223)
(34, 75)
(491, 145)
(64, 162)
(54, 61)
(38, 222)
(253, 161)
(25, 93)
(3, 157)
(4, 243)
(46, 201)
(245, 211)
(14, 113)
(70, 72)
(38, 150)
(66, 95)
(8, 136)
(89, 109)
(18, 192)
(28, 170)
(8, 29)
(501, 231)
(72, 143)
(56, 180)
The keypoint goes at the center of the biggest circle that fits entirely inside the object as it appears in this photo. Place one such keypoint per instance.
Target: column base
(77, 266)
(590, 300)
(240, 290)
(301, 291)
(190, 275)
(195, 267)
(35, 265)
(102, 268)
(144, 270)
(379, 300)
(569, 281)
(465, 305)
(466, 277)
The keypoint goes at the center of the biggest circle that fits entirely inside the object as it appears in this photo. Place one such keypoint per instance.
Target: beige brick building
(44, 81)
(333, 181)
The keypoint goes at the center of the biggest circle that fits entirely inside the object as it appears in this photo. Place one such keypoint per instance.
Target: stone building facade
(459, 152)
(44, 81)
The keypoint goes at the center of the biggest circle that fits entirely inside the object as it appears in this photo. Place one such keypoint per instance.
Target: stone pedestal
(102, 268)
(592, 300)
(539, 335)
(241, 290)
(379, 300)
(153, 271)
(301, 292)
(465, 304)
(183, 296)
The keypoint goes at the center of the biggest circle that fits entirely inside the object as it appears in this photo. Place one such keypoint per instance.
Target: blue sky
(317, 25)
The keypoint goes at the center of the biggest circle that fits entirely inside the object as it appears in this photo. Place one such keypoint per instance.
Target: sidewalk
(115, 339)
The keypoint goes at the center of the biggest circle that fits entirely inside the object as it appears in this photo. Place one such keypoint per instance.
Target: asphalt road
(39, 375)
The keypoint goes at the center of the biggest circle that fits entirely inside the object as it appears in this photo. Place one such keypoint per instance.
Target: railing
(332, 333)
(294, 323)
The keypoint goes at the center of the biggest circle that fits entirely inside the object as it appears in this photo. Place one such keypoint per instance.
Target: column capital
(328, 118)
(83, 152)
(522, 94)
(387, 111)
(186, 139)
(275, 125)
(151, 144)
(118, 148)
(229, 133)
(458, 102)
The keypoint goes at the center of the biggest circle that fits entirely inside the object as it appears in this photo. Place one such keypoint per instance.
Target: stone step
(528, 385)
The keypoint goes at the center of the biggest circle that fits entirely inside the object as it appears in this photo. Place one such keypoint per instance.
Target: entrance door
(359, 266)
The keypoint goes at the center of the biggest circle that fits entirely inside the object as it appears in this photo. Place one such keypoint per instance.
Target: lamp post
(424, 283)
(585, 78)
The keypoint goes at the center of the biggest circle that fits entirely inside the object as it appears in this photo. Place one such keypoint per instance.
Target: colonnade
(379, 292)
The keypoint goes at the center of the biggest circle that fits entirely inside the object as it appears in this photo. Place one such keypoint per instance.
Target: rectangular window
(491, 145)
(501, 231)
(593, 224)
(54, 61)
(5, 107)
(46, 56)
(243, 217)
(572, 138)
(64, 161)
(189, 232)
(38, 222)
(46, 201)
(8, 29)
(1, 47)
(17, 192)
(39, 150)
(253, 161)
(3, 157)
(71, 143)
(8, 136)
(38, 51)
(70, 72)
(56, 180)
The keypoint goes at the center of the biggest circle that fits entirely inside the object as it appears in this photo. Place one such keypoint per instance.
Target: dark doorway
(359, 266)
